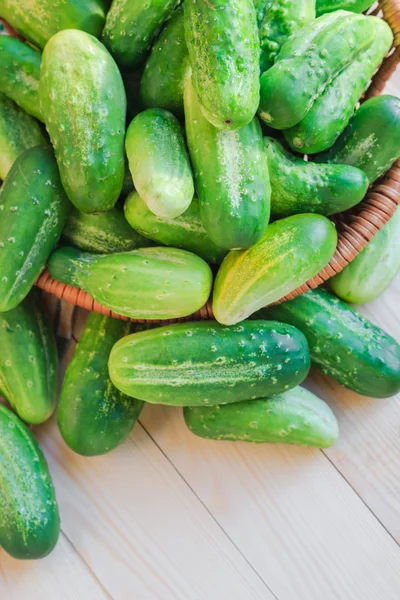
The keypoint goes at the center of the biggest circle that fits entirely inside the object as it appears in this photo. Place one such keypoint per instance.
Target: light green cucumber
(357, 6)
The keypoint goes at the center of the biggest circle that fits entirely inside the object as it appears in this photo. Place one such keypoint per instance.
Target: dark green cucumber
(294, 417)
(357, 6)
(186, 231)
(224, 51)
(84, 105)
(29, 518)
(150, 283)
(33, 209)
(231, 175)
(303, 187)
(204, 363)
(93, 416)
(343, 344)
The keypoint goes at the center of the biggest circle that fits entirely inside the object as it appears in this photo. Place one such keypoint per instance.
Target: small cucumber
(151, 283)
(303, 187)
(343, 344)
(33, 209)
(224, 51)
(84, 105)
(231, 175)
(29, 518)
(159, 162)
(294, 417)
(186, 231)
(93, 416)
(357, 6)
(204, 363)
(291, 251)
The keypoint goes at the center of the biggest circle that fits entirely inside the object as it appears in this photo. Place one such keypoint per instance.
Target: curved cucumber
(29, 519)
(231, 175)
(159, 162)
(151, 283)
(294, 417)
(303, 187)
(224, 52)
(200, 364)
(84, 105)
(33, 209)
(291, 251)
(357, 6)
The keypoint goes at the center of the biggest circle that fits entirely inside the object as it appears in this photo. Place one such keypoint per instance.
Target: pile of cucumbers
(155, 152)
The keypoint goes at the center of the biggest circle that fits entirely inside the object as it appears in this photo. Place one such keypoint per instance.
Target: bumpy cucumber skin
(131, 27)
(185, 231)
(357, 6)
(33, 208)
(39, 20)
(84, 106)
(93, 416)
(332, 111)
(204, 363)
(293, 417)
(20, 74)
(302, 71)
(231, 175)
(291, 251)
(29, 518)
(368, 275)
(159, 162)
(343, 344)
(18, 132)
(371, 141)
(303, 187)
(223, 44)
(150, 283)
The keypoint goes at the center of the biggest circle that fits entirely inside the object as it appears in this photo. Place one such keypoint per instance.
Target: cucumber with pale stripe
(358, 6)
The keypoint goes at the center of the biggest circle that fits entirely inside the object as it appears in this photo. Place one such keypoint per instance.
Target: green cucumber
(186, 231)
(84, 105)
(93, 416)
(371, 141)
(20, 74)
(231, 175)
(33, 209)
(150, 283)
(357, 6)
(294, 417)
(307, 63)
(204, 363)
(343, 344)
(159, 162)
(18, 132)
(291, 251)
(224, 51)
(303, 187)
(369, 274)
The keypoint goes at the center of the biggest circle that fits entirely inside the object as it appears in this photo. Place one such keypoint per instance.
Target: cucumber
(357, 6)
(294, 417)
(186, 231)
(331, 112)
(308, 62)
(224, 51)
(84, 105)
(291, 251)
(303, 187)
(131, 26)
(29, 518)
(93, 416)
(371, 272)
(33, 209)
(204, 363)
(39, 20)
(231, 175)
(159, 162)
(18, 132)
(20, 74)
(371, 141)
(343, 344)
(151, 283)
